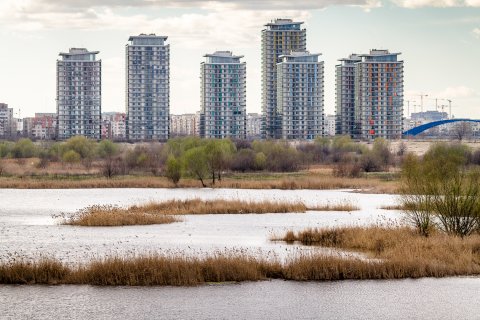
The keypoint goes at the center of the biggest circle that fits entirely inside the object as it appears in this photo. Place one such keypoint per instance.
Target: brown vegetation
(401, 252)
(163, 212)
(304, 181)
(111, 216)
(336, 207)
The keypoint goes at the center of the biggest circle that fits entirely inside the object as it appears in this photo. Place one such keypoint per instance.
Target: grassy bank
(304, 180)
(164, 212)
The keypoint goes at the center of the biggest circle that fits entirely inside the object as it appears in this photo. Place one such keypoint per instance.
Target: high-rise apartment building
(300, 95)
(148, 87)
(280, 37)
(79, 94)
(379, 95)
(223, 96)
(377, 109)
(6, 122)
(345, 96)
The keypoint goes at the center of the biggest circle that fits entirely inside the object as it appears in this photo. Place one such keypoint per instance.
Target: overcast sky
(439, 41)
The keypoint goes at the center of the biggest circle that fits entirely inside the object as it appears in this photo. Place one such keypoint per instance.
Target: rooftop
(282, 21)
(147, 36)
(379, 53)
(222, 54)
(77, 51)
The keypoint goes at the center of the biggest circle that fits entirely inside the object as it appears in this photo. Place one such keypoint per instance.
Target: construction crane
(408, 106)
(422, 95)
(449, 107)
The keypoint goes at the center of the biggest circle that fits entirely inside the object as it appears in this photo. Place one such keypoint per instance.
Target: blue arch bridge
(426, 126)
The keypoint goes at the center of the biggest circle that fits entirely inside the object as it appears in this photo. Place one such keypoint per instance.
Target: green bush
(173, 169)
(441, 191)
(23, 148)
(71, 157)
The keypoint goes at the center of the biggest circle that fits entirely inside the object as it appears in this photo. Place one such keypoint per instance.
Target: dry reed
(402, 251)
(112, 216)
(336, 207)
(463, 259)
(164, 212)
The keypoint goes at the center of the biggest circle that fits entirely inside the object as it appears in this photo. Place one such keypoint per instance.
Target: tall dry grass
(149, 270)
(164, 212)
(402, 251)
(345, 206)
(112, 216)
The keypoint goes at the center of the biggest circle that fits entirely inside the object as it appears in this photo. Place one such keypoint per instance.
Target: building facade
(41, 127)
(148, 87)
(182, 125)
(7, 127)
(114, 126)
(280, 37)
(223, 96)
(300, 96)
(79, 94)
(375, 107)
(254, 126)
(345, 96)
(379, 95)
(330, 125)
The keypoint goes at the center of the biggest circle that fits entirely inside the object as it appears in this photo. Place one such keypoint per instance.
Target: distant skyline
(439, 41)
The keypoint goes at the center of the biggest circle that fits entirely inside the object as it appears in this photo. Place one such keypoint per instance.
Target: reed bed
(159, 270)
(112, 216)
(165, 212)
(336, 207)
(400, 250)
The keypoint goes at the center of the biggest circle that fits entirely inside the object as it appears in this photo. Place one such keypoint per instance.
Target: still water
(28, 230)
(451, 298)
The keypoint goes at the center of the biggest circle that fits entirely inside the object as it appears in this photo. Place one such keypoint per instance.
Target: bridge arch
(426, 126)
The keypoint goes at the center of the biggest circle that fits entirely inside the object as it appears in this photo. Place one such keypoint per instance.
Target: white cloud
(476, 32)
(436, 3)
(223, 26)
(458, 92)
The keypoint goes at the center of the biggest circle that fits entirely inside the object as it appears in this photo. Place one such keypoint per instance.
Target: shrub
(243, 160)
(260, 161)
(84, 147)
(369, 162)
(5, 149)
(174, 169)
(442, 187)
(106, 149)
(347, 170)
(24, 148)
(196, 163)
(71, 157)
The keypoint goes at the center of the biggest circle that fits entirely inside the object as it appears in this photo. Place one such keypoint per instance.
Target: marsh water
(28, 230)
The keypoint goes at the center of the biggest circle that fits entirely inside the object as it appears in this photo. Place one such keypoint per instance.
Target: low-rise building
(330, 125)
(182, 125)
(254, 126)
(43, 126)
(114, 126)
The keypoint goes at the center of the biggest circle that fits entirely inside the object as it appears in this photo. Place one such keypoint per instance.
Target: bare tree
(462, 130)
